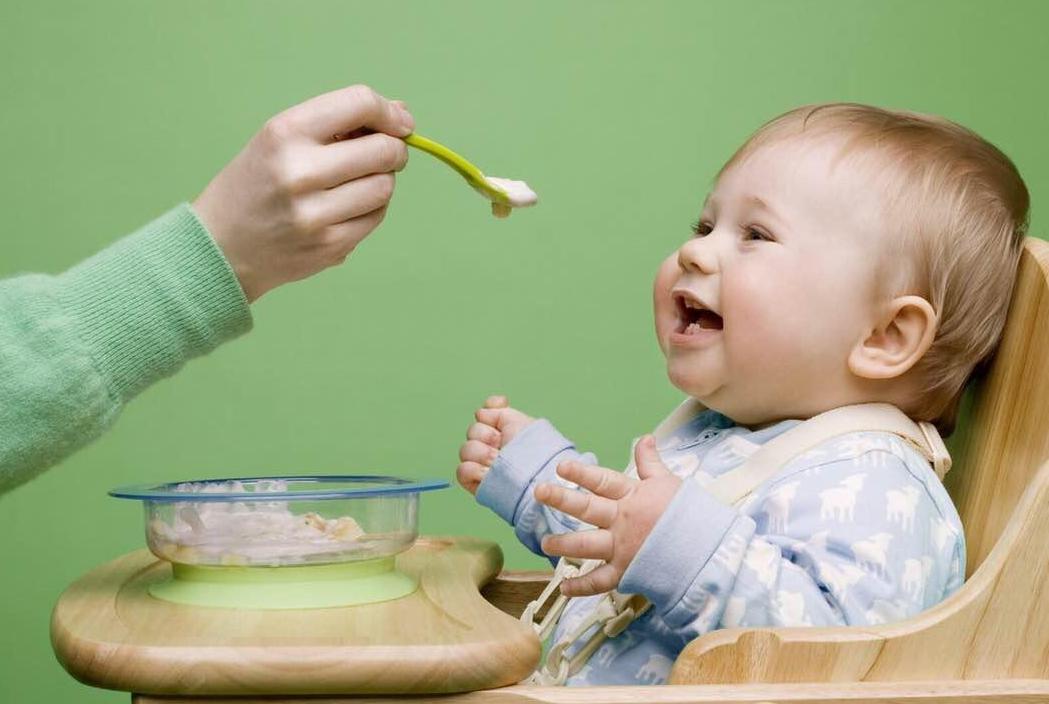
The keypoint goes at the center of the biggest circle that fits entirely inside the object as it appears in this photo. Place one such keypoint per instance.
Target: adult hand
(307, 188)
(623, 509)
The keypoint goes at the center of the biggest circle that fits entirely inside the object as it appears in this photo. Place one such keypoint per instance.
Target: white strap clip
(941, 458)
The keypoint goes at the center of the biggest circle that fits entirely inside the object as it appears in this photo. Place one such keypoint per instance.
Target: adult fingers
(347, 109)
(601, 579)
(485, 433)
(343, 237)
(344, 161)
(586, 544)
(477, 451)
(595, 510)
(350, 200)
(601, 481)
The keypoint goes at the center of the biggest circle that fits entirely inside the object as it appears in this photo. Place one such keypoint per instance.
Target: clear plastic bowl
(280, 521)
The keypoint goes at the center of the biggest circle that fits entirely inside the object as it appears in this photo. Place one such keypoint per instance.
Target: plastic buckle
(941, 458)
(618, 624)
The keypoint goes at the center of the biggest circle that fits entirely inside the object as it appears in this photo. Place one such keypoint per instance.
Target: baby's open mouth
(693, 317)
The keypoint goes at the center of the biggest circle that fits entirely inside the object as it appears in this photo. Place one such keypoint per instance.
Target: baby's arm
(849, 542)
(531, 458)
(503, 479)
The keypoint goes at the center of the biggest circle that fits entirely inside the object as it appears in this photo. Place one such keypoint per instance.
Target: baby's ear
(901, 337)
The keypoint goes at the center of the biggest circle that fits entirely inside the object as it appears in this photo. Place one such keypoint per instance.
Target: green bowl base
(289, 587)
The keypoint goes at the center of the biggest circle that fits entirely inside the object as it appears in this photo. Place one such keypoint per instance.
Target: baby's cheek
(747, 303)
(762, 324)
(662, 303)
(665, 277)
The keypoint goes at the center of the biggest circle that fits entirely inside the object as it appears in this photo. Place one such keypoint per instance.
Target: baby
(846, 255)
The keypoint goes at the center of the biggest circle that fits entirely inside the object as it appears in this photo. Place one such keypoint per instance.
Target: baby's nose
(698, 255)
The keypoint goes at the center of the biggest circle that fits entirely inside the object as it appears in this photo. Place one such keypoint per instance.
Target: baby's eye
(755, 232)
(699, 229)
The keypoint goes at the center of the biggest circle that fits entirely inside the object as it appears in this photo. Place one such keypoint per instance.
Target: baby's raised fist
(496, 425)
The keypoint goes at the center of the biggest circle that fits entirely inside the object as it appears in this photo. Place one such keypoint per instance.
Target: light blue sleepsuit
(859, 530)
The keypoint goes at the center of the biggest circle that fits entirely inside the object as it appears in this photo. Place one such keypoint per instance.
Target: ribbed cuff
(684, 538)
(516, 466)
(153, 300)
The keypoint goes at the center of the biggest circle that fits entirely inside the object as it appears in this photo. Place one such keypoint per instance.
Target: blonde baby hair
(957, 215)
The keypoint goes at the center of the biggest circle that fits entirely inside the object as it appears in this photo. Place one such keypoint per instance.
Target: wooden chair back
(995, 626)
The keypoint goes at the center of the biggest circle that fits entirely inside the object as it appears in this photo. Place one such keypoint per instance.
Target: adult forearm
(76, 347)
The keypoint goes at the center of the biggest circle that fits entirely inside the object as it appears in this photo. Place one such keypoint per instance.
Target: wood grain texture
(996, 625)
(513, 590)
(108, 632)
(973, 692)
(988, 642)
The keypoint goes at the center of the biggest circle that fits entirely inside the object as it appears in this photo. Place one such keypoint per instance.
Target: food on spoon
(520, 195)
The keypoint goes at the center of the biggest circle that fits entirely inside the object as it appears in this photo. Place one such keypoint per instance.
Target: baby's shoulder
(877, 452)
(862, 448)
(864, 462)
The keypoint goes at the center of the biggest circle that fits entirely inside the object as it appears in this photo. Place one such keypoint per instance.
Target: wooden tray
(107, 631)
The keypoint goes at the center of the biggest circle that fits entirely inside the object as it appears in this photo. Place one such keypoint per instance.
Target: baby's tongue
(709, 320)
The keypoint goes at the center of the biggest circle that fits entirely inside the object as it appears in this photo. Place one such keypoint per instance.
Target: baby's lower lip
(700, 338)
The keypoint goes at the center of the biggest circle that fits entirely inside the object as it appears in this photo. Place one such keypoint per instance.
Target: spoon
(503, 193)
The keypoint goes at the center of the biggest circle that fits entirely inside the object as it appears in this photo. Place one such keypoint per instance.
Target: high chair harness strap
(773, 455)
(616, 611)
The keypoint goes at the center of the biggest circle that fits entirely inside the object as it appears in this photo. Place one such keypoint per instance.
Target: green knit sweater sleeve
(76, 347)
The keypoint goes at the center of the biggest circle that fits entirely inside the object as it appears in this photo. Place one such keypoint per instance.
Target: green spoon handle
(468, 171)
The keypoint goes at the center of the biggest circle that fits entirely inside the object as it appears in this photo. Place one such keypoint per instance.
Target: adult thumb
(646, 458)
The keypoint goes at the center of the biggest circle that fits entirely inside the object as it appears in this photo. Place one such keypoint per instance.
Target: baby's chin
(699, 386)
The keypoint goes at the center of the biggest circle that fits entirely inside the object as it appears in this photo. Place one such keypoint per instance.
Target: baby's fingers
(497, 401)
(601, 481)
(586, 544)
(602, 579)
(477, 451)
(485, 433)
(490, 416)
(595, 510)
(470, 475)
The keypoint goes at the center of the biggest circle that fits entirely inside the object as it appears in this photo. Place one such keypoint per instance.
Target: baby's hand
(496, 425)
(623, 509)
(307, 188)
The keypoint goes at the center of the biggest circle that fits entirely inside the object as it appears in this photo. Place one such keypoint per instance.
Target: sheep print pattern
(856, 531)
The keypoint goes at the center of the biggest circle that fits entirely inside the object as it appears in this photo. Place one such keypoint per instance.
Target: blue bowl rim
(164, 491)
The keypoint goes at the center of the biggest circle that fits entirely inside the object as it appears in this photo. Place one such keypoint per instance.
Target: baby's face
(784, 260)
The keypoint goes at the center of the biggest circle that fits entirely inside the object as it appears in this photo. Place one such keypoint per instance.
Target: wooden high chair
(988, 642)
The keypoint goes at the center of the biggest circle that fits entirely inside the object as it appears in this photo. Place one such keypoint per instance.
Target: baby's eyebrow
(751, 200)
(759, 203)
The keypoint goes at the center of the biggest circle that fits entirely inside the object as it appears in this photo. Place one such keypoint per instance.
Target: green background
(617, 113)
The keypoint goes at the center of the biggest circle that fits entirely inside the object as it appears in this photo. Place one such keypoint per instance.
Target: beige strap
(860, 417)
(737, 484)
